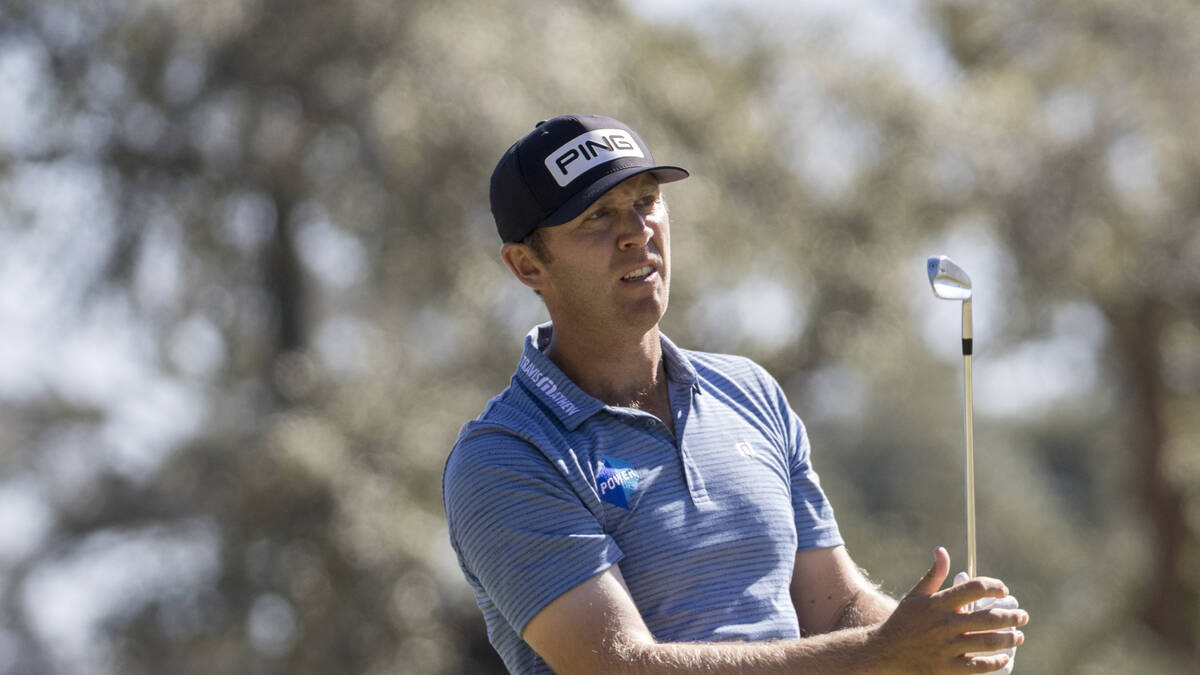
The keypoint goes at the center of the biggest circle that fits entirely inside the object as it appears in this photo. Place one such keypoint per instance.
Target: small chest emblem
(616, 481)
(745, 449)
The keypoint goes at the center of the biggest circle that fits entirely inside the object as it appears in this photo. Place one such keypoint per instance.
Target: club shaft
(968, 440)
(969, 465)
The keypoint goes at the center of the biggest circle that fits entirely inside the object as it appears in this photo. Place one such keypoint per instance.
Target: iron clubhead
(949, 281)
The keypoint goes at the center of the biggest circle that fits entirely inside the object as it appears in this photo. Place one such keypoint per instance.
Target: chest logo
(616, 481)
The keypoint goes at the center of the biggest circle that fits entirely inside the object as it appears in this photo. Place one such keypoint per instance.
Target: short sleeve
(522, 534)
(816, 526)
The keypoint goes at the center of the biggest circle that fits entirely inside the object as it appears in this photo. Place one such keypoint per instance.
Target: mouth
(640, 274)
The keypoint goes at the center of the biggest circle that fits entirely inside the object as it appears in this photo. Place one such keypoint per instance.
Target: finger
(973, 663)
(979, 644)
(959, 578)
(991, 619)
(971, 590)
(932, 581)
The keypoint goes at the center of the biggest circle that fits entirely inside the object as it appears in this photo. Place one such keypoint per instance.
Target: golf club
(950, 282)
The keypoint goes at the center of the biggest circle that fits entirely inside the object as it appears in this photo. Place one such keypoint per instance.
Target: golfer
(629, 506)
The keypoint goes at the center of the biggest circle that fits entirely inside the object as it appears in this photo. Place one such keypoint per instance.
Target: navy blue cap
(557, 170)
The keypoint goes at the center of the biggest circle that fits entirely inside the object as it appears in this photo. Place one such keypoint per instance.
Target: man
(627, 506)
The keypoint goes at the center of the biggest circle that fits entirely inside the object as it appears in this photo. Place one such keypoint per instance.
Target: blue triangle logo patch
(616, 481)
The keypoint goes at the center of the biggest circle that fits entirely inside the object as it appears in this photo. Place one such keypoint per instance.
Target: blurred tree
(1095, 197)
(276, 211)
(293, 216)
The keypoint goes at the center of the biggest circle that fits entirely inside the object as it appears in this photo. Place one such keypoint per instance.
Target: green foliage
(284, 227)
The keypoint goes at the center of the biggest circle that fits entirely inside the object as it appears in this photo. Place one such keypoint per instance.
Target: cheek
(577, 276)
(664, 228)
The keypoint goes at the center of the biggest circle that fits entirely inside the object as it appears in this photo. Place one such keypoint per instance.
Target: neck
(626, 371)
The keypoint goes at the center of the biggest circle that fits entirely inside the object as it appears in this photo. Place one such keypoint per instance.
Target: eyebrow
(642, 187)
(638, 187)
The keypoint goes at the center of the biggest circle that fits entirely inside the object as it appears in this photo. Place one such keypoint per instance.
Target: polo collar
(549, 385)
(559, 394)
(679, 368)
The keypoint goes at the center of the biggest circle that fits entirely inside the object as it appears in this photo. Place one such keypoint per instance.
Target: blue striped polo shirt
(550, 486)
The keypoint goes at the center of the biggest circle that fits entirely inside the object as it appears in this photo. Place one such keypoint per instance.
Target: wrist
(863, 650)
(878, 659)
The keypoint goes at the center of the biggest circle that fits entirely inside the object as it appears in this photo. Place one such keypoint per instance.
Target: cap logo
(588, 150)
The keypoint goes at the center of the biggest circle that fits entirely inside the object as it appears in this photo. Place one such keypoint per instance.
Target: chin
(651, 312)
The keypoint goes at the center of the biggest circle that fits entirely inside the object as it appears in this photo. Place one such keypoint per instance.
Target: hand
(1007, 602)
(930, 632)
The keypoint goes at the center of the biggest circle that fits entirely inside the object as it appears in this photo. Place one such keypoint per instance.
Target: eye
(648, 201)
(597, 214)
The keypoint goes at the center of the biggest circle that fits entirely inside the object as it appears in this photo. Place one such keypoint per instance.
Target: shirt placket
(681, 405)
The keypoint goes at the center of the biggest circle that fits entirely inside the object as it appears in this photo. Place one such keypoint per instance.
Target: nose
(635, 231)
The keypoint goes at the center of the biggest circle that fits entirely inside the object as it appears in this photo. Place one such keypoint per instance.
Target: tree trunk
(1138, 331)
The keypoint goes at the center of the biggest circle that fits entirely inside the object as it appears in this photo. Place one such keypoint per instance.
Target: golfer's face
(612, 263)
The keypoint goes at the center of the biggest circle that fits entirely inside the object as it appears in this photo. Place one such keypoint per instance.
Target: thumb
(933, 579)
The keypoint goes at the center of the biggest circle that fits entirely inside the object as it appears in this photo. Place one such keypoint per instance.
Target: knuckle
(995, 618)
(975, 588)
(990, 585)
(1008, 617)
(1001, 640)
(1004, 639)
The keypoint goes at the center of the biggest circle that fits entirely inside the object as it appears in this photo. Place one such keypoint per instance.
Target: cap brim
(584, 198)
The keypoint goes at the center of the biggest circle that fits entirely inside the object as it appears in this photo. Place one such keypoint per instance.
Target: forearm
(853, 650)
(596, 628)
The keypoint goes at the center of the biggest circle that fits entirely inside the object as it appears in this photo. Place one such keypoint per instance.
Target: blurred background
(249, 291)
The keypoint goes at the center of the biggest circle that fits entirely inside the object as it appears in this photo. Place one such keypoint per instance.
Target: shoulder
(511, 432)
(514, 412)
(515, 440)
(493, 470)
(731, 370)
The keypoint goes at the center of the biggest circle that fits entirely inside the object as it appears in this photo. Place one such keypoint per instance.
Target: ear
(524, 265)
